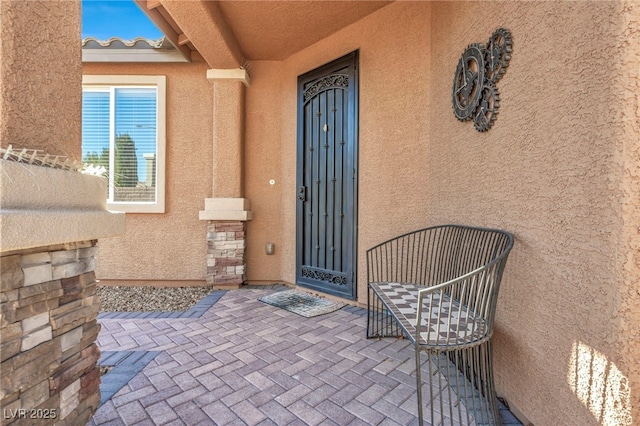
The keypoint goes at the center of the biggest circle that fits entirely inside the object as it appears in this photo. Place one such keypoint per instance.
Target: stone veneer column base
(226, 246)
(48, 330)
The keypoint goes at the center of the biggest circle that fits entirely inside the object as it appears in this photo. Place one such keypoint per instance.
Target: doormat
(301, 303)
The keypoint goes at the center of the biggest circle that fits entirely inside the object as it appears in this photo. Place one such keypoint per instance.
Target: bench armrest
(458, 312)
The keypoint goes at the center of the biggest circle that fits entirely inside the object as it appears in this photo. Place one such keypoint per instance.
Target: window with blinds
(123, 135)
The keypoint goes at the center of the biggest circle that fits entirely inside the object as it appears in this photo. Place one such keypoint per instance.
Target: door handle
(302, 193)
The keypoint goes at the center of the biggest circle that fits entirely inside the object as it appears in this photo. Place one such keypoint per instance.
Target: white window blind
(121, 129)
(95, 127)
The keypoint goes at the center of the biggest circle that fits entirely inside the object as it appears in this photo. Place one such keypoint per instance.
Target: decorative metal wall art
(475, 95)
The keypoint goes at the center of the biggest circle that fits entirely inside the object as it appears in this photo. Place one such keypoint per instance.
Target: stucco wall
(560, 170)
(169, 246)
(33, 79)
(47, 326)
(264, 162)
(394, 126)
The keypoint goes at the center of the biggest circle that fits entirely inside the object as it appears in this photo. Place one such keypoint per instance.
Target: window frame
(160, 83)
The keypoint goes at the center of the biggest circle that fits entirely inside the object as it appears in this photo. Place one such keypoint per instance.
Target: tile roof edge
(138, 42)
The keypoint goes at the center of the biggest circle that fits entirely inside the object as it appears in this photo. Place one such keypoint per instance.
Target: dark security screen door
(327, 178)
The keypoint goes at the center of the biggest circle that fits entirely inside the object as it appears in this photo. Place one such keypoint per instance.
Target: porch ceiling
(228, 32)
(274, 30)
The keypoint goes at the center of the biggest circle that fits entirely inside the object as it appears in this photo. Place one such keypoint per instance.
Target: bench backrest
(438, 254)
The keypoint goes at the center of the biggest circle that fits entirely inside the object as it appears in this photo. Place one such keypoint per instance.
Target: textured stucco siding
(392, 140)
(627, 117)
(170, 246)
(265, 163)
(560, 170)
(393, 125)
(33, 79)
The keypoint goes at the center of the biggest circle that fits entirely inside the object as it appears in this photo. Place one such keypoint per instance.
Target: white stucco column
(227, 210)
(227, 202)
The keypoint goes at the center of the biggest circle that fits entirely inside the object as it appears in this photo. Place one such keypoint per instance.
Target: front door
(327, 177)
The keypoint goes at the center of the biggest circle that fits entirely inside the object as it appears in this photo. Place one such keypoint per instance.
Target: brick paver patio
(243, 362)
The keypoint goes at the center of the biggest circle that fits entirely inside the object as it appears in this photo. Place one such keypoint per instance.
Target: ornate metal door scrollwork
(475, 95)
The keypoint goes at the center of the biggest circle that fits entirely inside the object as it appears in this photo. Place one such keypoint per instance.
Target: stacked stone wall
(48, 328)
(226, 246)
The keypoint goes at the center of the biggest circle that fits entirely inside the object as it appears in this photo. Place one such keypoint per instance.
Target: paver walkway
(243, 362)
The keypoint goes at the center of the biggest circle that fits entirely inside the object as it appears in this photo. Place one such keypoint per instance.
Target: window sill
(136, 208)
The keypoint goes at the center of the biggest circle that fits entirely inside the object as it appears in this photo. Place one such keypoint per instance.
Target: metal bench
(438, 287)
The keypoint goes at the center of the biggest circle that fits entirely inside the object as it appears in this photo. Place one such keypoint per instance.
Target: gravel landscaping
(149, 299)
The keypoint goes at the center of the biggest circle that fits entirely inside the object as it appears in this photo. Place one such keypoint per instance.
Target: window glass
(120, 134)
(95, 128)
(135, 144)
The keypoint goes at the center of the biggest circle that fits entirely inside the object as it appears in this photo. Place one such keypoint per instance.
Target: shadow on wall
(599, 385)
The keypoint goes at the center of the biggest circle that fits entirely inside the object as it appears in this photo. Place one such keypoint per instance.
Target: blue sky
(104, 19)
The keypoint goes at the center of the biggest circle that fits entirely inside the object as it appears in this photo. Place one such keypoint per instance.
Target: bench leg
(419, 385)
(469, 373)
(380, 322)
(464, 376)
